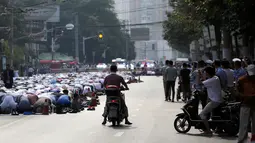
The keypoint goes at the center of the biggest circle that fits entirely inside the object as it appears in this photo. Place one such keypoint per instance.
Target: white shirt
(98, 86)
(230, 77)
(213, 89)
(86, 89)
(30, 70)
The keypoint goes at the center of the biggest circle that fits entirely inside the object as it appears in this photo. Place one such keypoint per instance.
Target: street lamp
(84, 45)
(68, 27)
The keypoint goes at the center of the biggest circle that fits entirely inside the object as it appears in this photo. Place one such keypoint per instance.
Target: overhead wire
(145, 8)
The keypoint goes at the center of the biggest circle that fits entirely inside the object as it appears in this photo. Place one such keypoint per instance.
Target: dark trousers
(203, 98)
(164, 84)
(30, 74)
(8, 85)
(170, 85)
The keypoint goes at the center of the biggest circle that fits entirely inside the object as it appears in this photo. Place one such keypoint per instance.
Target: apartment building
(150, 14)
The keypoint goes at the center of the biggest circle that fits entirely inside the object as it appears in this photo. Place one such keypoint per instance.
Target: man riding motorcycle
(213, 85)
(116, 80)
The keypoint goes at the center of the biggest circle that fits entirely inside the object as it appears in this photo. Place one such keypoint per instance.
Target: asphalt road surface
(152, 119)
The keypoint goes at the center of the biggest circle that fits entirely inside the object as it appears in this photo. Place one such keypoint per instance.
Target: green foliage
(5, 20)
(181, 28)
(95, 16)
(18, 54)
(228, 14)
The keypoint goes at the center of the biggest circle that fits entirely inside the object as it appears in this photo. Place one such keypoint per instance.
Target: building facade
(149, 14)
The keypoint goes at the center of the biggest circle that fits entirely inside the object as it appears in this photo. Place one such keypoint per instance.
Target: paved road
(152, 117)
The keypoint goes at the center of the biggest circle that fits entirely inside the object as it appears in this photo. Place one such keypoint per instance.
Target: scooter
(114, 104)
(225, 117)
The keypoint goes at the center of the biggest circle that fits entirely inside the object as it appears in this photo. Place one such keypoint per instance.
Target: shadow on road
(122, 127)
(223, 136)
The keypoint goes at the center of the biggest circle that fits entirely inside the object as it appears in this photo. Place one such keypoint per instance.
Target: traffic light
(100, 35)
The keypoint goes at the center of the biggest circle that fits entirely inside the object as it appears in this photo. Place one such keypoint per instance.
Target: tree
(18, 30)
(228, 16)
(180, 29)
(18, 53)
(95, 16)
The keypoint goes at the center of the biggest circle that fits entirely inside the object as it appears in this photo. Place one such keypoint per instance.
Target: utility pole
(11, 40)
(93, 54)
(127, 49)
(84, 49)
(145, 50)
(76, 37)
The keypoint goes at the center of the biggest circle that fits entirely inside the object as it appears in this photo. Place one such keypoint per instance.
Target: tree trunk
(237, 47)
(245, 45)
(218, 37)
(227, 49)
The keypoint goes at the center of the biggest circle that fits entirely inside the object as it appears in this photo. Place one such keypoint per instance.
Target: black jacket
(5, 75)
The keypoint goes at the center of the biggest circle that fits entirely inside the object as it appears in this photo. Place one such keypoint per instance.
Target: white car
(122, 66)
(149, 65)
(101, 66)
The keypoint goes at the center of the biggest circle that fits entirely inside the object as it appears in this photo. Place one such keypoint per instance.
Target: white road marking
(14, 122)
(119, 134)
(137, 109)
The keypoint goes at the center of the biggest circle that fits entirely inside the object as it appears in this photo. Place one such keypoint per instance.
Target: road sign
(140, 34)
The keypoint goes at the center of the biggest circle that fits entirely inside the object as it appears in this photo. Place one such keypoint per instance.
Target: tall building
(149, 14)
(122, 8)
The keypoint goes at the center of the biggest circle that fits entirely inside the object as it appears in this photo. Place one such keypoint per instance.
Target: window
(153, 47)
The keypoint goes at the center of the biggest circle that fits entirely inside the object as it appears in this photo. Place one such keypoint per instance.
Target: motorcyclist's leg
(203, 99)
(105, 113)
(125, 111)
(208, 109)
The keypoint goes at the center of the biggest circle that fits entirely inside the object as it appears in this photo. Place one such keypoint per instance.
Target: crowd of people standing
(212, 80)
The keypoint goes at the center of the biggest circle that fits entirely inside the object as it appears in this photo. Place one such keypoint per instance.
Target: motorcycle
(225, 117)
(113, 95)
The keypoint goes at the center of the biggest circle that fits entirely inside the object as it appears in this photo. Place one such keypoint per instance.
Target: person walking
(170, 75)
(246, 88)
(164, 78)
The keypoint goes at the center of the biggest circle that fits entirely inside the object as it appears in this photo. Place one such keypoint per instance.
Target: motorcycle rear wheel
(180, 128)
